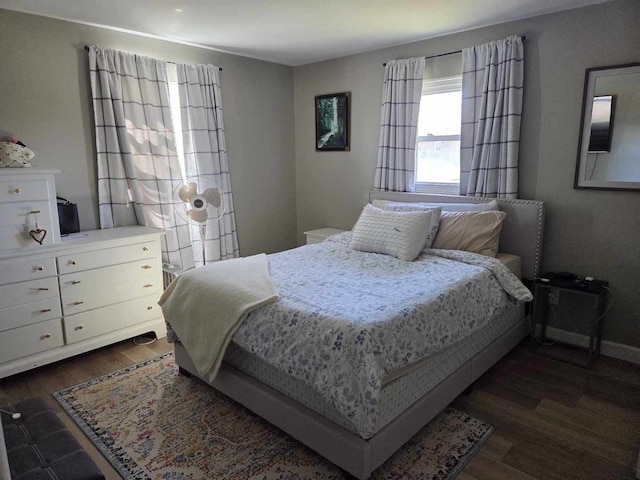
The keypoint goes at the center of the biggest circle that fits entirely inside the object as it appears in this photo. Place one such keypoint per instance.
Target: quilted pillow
(435, 218)
(477, 232)
(400, 234)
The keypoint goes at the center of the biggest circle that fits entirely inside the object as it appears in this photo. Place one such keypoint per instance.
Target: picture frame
(333, 116)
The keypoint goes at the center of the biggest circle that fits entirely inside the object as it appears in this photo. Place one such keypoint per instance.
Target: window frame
(431, 87)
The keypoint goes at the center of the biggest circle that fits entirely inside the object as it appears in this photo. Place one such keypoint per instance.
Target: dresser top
(88, 240)
(27, 171)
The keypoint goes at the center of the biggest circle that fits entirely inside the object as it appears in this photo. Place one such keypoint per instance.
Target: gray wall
(588, 232)
(46, 103)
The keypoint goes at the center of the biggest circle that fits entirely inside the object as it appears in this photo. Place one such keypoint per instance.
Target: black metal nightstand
(592, 297)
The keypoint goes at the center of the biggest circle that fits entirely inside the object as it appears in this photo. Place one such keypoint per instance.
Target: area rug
(152, 423)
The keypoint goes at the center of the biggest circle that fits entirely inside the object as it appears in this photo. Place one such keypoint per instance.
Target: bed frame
(521, 235)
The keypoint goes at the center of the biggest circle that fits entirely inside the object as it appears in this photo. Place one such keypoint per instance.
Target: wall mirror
(609, 146)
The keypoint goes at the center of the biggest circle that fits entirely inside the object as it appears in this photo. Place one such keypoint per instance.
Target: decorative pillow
(446, 207)
(435, 218)
(400, 234)
(14, 155)
(477, 232)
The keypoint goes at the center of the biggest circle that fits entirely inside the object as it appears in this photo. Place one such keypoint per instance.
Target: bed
(409, 393)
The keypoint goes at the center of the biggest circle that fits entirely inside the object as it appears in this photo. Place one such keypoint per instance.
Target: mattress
(512, 262)
(400, 389)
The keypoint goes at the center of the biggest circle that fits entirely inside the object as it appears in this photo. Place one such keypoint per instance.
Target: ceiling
(293, 32)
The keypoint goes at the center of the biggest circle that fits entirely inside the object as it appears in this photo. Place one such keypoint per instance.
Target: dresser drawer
(18, 236)
(25, 213)
(11, 272)
(34, 312)
(19, 190)
(112, 256)
(31, 339)
(114, 275)
(103, 320)
(84, 300)
(27, 292)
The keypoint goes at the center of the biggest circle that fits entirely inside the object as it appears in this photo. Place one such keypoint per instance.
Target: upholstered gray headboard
(522, 229)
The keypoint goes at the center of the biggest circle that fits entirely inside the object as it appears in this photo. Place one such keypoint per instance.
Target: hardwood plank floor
(553, 420)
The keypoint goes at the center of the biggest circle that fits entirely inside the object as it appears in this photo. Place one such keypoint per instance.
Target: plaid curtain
(492, 87)
(401, 95)
(205, 153)
(138, 167)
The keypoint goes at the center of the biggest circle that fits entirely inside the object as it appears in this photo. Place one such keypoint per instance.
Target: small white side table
(321, 234)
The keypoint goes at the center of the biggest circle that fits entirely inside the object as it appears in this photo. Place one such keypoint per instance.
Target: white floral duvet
(346, 319)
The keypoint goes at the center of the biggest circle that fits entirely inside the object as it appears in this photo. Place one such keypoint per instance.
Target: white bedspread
(206, 306)
(346, 319)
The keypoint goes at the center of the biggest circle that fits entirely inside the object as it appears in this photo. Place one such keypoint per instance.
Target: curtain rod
(86, 47)
(445, 54)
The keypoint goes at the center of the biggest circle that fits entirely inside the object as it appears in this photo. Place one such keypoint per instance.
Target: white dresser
(90, 290)
(27, 196)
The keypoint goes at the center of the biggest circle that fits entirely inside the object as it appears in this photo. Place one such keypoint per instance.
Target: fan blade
(199, 216)
(187, 192)
(212, 195)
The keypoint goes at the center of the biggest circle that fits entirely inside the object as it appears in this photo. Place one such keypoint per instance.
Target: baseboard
(608, 348)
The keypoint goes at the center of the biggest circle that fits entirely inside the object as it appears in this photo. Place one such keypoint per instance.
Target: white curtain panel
(399, 125)
(138, 167)
(492, 87)
(205, 153)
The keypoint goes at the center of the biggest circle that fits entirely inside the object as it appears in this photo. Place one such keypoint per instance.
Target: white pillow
(435, 219)
(446, 207)
(400, 234)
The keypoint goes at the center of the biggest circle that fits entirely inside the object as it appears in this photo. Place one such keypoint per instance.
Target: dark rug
(151, 422)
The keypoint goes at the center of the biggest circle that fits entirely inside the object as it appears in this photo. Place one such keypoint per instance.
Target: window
(174, 99)
(438, 143)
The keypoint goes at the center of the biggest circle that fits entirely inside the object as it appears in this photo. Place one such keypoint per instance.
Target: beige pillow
(477, 232)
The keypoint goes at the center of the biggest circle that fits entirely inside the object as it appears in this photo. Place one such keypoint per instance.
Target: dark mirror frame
(587, 105)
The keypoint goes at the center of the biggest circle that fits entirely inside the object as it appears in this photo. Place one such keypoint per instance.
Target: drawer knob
(79, 302)
(33, 212)
(145, 249)
(43, 289)
(73, 262)
(75, 282)
(40, 268)
(149, 308)
(46, 335)
(17, 190)
(45, 310)
(79, 327)
(148, 285)
(146, 267)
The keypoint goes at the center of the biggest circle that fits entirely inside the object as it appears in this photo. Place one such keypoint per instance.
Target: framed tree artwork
(332, 122)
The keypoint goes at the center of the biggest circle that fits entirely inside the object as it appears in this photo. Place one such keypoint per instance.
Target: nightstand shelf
(549, 298)
(321, 234)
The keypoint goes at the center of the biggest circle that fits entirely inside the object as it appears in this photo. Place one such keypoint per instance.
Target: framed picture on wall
(332, 122)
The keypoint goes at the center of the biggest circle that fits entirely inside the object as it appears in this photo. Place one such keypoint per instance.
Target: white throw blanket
(207, 305)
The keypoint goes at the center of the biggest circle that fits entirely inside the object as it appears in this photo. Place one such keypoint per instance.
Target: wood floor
(553, 420)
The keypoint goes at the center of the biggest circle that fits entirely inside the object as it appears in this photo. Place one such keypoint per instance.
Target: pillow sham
(446, 207)
(477, 232)
(399, 234)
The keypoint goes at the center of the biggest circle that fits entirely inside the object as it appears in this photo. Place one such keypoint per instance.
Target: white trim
(607, 348)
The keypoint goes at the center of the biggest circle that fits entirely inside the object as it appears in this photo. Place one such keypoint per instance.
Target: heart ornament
(38, 234)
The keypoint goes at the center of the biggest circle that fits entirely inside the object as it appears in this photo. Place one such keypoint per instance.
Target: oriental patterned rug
(151, 422)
